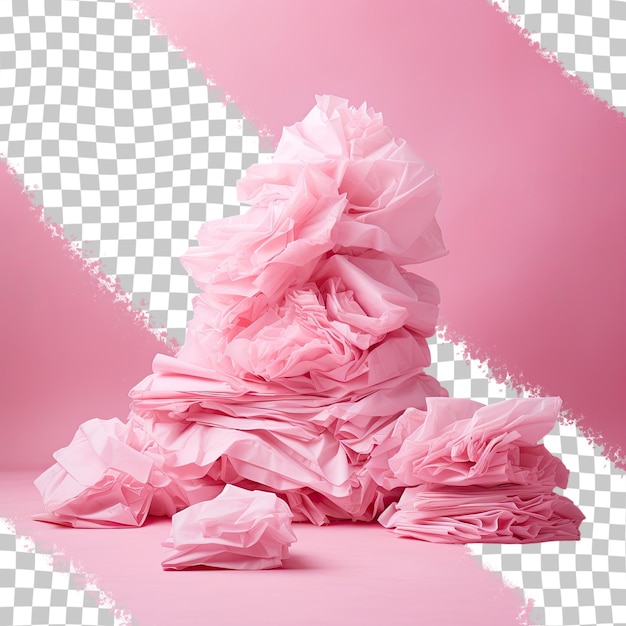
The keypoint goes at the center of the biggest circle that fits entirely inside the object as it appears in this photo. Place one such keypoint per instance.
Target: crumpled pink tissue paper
(476, 473)
(463, 442)
(100, 479)
(238, 529)
(303, 375)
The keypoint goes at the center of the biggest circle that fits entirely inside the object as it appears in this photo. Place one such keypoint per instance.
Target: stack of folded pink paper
(302, 372)
(476, 473)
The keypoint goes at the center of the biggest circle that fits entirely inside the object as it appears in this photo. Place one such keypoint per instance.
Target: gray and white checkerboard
(129, 151)
(36, 590)
(588, 37)
(122, 141)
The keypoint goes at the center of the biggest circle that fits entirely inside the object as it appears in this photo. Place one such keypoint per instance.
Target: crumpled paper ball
(238, 529)
(102, 478)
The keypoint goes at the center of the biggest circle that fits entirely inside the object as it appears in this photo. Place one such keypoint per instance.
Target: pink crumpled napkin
(238, 529)
(101, 478)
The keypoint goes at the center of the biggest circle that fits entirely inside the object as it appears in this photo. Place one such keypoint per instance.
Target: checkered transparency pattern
(123, 142)
(33, 590)
(129, 151)
(588, 37)
(573, 583)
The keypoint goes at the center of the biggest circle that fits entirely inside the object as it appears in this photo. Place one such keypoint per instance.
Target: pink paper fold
(238, 529)
(462, 442)
(314, 473)
(273, 245)
(334, 335)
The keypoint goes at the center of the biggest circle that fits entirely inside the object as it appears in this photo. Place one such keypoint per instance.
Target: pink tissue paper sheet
(477, 474)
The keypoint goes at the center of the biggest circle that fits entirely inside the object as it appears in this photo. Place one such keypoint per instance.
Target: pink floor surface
(340, 574)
